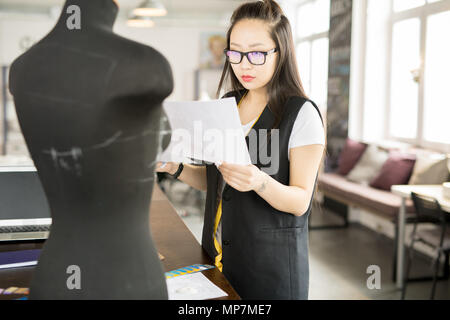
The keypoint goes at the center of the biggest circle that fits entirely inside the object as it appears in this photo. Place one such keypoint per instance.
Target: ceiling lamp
(150, 8)
(140, 22)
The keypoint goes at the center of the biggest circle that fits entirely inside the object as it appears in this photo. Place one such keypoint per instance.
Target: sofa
(366, 172)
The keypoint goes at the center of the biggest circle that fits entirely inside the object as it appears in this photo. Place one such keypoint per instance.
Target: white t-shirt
(307, 129)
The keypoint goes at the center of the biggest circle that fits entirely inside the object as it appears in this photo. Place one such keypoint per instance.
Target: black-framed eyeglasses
(254, 57)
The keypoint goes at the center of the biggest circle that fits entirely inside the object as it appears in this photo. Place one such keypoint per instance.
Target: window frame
(310, 39)
(422, 13)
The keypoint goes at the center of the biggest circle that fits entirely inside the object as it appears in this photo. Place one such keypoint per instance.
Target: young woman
(256, 223)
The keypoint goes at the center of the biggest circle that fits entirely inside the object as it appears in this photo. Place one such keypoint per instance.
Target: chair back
(428, 209)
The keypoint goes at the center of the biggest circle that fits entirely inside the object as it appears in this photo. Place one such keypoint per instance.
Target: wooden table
(172, 239)
(404, 191)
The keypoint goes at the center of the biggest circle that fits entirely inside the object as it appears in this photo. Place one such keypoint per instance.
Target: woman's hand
(169, 167)
(242, 178)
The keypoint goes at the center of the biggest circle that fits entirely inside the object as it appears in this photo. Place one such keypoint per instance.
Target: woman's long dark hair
(285, 81)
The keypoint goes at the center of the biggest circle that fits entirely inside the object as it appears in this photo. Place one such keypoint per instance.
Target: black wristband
(178, 172)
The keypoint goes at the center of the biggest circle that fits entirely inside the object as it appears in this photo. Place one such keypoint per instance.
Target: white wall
(18, 32)
(180, 45)
(370, 40)
(357, 68)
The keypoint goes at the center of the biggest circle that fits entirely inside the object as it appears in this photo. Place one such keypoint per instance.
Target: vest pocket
(289, 266)
(283, 230)
(271, 264)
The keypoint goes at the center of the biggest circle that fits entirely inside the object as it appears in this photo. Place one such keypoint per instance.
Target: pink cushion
(396, 170)
(350, 155)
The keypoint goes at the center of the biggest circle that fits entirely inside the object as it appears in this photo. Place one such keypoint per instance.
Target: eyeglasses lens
(233, 56)
(256, 57)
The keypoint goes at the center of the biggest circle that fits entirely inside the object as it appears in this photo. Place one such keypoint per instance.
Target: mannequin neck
(93, 14)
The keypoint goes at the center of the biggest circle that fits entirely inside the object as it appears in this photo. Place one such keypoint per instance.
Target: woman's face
(253, 35)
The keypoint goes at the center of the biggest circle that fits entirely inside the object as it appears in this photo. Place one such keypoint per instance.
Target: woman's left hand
(241, 177)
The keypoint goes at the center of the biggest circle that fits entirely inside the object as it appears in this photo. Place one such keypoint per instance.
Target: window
(401, 5)
(436, 113)
(406, 69)
(404, 85)
(311, 38)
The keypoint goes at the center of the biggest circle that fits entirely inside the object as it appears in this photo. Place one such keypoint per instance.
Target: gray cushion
(368, 166)
(429, 169)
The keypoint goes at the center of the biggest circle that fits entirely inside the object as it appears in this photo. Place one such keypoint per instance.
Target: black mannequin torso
(89, 105)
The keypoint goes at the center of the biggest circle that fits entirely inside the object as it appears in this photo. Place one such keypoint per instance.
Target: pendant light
(150, 8)
(140, 22)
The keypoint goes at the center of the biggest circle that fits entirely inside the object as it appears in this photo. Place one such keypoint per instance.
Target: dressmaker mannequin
(89, 105)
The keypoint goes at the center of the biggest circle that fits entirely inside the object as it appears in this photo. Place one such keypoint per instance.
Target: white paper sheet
(205, 130)
(194, 286)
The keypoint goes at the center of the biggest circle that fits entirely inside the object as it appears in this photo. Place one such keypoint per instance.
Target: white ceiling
(174, 7)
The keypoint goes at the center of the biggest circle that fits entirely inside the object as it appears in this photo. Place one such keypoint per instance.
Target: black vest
(265, 251)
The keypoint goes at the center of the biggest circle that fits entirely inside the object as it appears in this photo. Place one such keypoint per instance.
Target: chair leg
(394, 260)
(408, 269)
(409, 262)
(446, 265)
(436, 269)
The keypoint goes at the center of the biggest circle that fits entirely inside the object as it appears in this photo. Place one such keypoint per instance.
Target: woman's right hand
(170, 167)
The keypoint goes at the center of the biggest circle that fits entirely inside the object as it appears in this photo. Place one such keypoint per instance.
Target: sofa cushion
(380, 201)
(350, 155)
(396, 170)
(368, 165)
(430, 169)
